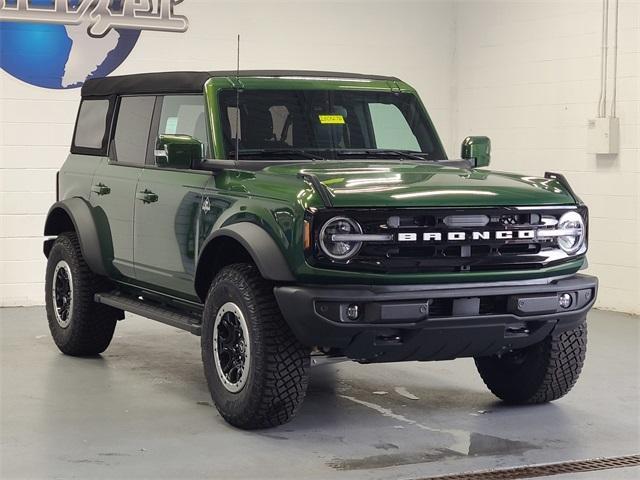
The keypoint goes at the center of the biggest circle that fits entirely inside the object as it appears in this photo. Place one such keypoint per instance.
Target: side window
(391, 129)
(185, 115)
(91, 126)
(132, 129)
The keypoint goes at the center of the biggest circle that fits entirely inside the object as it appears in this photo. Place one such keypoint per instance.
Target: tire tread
(549, 376)
(93, 324)
(286, 361)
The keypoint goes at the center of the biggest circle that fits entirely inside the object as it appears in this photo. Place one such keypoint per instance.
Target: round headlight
(339, 249)
(574, 222)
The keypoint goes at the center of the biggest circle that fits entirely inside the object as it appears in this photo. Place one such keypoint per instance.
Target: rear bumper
(434, 322)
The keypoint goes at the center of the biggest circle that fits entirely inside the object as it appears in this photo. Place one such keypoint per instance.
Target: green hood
(417, 184)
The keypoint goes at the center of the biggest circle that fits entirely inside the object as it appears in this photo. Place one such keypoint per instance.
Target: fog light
(565, 300)
(353, 312)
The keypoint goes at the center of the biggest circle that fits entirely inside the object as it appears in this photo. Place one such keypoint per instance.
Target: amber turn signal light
(307, 235)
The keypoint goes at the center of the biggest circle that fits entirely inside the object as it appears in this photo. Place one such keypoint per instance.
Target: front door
(114, 183)
(169, 207)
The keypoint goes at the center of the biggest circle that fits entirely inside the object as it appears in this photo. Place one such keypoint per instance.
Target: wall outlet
(603, 135)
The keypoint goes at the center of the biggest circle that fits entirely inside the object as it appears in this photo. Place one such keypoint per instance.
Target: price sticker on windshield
(331, 119)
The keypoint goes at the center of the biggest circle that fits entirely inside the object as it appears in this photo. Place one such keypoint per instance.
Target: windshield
(315, 124)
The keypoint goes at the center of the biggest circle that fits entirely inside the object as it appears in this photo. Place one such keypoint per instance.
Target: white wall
(413, 40)
(527, 75)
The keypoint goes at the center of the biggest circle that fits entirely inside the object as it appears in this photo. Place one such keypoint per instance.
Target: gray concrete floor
(142, 410)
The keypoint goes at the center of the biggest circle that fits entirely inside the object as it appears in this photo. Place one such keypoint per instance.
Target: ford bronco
(284, 216)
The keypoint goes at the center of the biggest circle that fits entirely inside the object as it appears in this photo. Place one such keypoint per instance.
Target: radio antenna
(238, 102)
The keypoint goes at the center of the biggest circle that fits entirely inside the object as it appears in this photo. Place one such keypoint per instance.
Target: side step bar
(152, 310)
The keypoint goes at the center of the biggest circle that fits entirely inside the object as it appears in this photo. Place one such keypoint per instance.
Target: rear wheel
(256, 369)
(540, 373)
(78, 325)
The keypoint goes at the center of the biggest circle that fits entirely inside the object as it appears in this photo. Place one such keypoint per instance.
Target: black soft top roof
(193, 82)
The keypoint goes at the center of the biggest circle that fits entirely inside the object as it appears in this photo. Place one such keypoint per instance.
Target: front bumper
(434, 322)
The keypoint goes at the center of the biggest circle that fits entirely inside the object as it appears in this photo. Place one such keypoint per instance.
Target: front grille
(482, 253)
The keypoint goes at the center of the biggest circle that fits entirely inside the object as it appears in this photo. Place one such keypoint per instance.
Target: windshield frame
(216, 85)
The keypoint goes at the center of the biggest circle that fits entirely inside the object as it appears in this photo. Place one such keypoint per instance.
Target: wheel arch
(241, 242)
(74, 214)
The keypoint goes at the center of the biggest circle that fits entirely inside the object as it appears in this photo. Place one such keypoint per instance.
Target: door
(114, 184)
(167, 223)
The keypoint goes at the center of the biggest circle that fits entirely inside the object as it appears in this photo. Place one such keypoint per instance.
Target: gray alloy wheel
(62, 293)
(231, 347)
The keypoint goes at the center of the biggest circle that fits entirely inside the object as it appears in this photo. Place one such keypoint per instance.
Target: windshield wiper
(267, 152)
(378, 152)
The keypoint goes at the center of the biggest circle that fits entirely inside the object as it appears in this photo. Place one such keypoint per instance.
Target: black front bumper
(434, 322)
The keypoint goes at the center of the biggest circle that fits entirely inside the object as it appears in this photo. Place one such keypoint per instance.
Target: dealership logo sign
(61, 43)
(135, 14)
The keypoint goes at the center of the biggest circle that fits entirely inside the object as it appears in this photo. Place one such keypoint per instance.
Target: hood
(418, 184)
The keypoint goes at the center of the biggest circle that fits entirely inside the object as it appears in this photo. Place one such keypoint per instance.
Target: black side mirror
(478, 150)
(178, 151)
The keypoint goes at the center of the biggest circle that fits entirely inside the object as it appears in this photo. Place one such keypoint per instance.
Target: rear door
(114, 183)
(167, 223)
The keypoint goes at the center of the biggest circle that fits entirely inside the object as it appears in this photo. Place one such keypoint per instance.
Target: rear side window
(132, 129)
(91, 127)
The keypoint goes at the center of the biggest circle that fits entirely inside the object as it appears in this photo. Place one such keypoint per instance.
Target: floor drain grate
(546, 470)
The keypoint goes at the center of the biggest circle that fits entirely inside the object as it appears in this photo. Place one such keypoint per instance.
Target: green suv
(285, 216)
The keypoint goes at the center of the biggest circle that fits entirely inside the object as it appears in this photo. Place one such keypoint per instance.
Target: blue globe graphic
(60, 56)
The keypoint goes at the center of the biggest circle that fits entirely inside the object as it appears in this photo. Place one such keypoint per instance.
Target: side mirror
(178, 151)
(478, 150)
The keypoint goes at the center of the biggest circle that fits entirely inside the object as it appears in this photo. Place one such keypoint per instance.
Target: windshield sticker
(172, 126)
(331, 119)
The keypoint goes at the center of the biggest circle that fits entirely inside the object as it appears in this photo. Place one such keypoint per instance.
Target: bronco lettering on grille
(466, 236)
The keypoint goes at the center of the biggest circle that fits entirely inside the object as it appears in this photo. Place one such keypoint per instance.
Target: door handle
(147, 196)
(100, 189)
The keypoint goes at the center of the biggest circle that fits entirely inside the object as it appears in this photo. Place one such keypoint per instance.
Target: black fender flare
(259, 244)
(79, 212)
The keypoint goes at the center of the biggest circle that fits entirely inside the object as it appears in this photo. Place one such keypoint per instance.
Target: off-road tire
(540, 373)
(279, 364)
(91, 325)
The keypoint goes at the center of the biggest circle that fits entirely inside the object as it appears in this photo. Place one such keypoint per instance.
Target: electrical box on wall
(603, 135)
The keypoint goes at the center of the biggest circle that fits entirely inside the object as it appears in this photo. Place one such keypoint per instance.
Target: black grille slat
(519, 248)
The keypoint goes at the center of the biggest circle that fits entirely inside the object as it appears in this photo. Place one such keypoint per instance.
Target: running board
(152, 310)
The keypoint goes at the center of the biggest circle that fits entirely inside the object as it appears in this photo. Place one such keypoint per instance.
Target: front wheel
(256, 369)
(540, 373)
